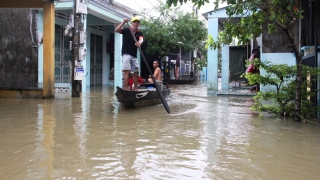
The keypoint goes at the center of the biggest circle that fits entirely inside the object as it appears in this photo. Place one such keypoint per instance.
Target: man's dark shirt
(128, 43)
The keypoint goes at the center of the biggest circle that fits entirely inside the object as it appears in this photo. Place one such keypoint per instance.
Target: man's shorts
(159, 82)
(129, 63)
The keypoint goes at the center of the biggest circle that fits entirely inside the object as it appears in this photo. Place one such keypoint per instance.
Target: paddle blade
(164, 102)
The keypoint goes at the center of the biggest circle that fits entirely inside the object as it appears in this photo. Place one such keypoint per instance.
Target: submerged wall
(18, 48)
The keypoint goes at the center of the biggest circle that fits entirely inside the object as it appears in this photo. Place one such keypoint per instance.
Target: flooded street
(94, 137)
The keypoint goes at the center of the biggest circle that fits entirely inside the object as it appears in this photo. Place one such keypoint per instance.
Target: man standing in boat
(157, 74)
(129, 50)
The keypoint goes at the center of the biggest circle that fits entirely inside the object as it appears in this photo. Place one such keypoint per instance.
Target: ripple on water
(94, 137)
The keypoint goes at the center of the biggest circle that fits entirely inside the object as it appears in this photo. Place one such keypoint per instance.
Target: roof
(110, 6)
(221, 12)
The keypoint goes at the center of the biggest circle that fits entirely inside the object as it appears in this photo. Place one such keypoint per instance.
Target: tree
(170, 28)
(202, 60)
(277, 15)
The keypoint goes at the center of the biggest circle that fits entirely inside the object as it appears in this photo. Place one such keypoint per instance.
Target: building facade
(23, 33)
(273, 47)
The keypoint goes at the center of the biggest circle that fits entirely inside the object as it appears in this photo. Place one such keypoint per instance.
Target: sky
(138, 5)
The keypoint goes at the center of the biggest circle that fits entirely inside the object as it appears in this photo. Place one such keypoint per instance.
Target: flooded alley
(94, 137)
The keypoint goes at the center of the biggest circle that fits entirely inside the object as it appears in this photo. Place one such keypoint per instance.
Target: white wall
(276, 58)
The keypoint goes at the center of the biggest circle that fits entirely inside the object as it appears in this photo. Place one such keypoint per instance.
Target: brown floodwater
(94, 137)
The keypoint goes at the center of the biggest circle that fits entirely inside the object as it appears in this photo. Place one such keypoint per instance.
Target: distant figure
(111, 77)
(191, 74)
(252, 69)
(176, 72)
(157, 73)
(130, 82)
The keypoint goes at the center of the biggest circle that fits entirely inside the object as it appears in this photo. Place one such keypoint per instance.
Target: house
(35, 53)
(186, 64)
(273, 46)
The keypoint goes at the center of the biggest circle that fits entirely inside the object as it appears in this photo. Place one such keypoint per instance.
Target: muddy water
(93, 137)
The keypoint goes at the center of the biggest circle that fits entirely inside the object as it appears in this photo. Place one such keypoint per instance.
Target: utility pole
(76, 85)
(78, 51)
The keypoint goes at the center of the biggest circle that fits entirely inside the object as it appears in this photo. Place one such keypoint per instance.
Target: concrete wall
(275, 42)
(18, 48)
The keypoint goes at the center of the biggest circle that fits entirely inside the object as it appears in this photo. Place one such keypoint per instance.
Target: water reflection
(94, 137)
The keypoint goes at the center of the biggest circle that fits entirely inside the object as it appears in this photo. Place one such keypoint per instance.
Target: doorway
(63, 56)
(96, 60)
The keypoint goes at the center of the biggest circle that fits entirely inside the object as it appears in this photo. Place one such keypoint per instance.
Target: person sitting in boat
(130, 81)
(157, 73)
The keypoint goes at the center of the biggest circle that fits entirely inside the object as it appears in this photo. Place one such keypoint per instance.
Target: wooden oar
(164, 102)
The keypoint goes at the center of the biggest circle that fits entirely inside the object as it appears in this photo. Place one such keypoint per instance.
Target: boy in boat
(129, 50)
(157, 74)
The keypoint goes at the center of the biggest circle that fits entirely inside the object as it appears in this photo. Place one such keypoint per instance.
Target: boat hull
(140, 98)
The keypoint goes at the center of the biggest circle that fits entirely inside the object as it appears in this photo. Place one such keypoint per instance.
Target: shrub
(281, 80)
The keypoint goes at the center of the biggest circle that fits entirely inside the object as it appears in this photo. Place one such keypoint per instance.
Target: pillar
(225, 68)
(212, 71)
(48, 50)
(117, 61)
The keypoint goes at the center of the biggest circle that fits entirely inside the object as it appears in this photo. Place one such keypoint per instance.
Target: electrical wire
(30, 27)
(138, 4)
(148, 2)
(151, 3)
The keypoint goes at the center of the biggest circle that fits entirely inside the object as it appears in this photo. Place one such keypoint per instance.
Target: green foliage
(201, 63)
(202, 58)
(253, 13)
(198, 3)
(170, 28)
(282, 78)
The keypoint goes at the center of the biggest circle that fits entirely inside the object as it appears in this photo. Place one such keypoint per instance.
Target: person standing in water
(176, 71)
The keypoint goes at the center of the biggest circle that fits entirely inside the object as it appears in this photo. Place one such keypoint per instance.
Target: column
(86, 65)
(212, 69)
(225, 68)
(40, 51)
(117, 60)
(48, 50)
(85, 62)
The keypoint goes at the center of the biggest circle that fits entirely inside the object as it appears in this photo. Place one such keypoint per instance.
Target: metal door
(96, 60)
(63, 56)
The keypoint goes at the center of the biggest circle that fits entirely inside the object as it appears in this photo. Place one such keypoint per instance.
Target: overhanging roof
(22, 3)
(113, 13)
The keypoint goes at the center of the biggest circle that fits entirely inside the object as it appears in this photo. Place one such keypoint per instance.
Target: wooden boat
(146, 95)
